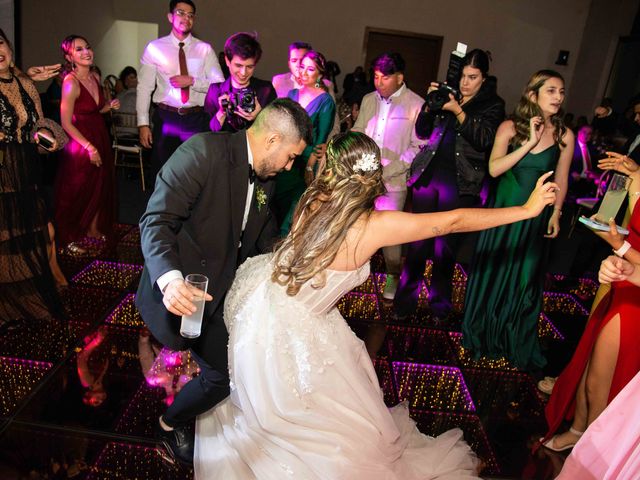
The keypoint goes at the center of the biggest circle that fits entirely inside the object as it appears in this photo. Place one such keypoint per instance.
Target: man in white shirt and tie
(584, 170)
(180, 68)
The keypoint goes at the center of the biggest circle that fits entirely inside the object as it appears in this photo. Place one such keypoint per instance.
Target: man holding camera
(235, 103)
(388, 116)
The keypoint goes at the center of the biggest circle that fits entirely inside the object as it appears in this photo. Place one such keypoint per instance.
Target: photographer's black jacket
(474, 138)
(265, 94)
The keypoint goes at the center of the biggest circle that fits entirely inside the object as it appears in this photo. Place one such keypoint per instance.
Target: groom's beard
(268, 168)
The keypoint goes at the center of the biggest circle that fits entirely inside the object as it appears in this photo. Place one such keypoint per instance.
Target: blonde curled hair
(330, 206)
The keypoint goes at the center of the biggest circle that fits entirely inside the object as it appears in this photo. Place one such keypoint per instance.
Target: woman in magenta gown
(606, 358)
(85, 185)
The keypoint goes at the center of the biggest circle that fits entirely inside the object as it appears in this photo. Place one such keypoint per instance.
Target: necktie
(252, 174)
(182, 59)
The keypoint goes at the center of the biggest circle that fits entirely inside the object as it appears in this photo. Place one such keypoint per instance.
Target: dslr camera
(440, 96)
(245, 98)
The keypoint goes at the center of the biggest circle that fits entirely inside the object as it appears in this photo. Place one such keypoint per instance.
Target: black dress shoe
(178, 443)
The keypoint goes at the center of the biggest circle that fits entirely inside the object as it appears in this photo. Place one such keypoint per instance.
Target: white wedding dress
(305, 401)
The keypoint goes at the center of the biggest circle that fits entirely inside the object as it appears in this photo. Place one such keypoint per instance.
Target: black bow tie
(252, 174)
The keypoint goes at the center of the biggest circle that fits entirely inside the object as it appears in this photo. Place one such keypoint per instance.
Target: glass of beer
(192, 324)
(613, 198)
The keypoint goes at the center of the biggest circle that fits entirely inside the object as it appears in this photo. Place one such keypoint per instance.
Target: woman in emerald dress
(504, 292)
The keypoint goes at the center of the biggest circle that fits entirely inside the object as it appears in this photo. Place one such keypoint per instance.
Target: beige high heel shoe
(549, 443)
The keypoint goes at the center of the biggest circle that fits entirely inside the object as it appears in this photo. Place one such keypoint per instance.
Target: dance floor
(54, 418)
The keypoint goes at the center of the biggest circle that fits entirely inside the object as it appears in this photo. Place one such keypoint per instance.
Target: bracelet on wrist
(622, 250)
(459, 113)
(309, 168)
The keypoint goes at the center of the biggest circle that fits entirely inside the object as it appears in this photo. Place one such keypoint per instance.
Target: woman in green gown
(504, 292)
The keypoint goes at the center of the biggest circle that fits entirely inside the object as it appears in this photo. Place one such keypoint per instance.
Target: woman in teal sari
(318, 103)
(504, 291)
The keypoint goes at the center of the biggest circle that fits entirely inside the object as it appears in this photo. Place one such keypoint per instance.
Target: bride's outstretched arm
(393, 228)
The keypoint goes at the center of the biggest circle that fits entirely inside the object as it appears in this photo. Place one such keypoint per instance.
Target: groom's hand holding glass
(178, 297)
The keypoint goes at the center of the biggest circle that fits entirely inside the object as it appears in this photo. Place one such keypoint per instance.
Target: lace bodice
(321, 300)
(318, 301)
(18, 110)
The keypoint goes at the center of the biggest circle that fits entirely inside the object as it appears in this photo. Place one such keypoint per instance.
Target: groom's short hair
(287, 118)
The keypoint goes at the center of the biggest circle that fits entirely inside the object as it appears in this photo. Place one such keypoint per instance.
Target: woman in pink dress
(610, 448)
(85, 189)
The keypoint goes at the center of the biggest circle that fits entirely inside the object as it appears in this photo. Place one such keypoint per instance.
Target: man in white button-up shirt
(388, 116)
(180, 85)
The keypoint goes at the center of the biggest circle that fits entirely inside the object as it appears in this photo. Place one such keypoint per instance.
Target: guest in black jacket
(449, 173)
(235, 103)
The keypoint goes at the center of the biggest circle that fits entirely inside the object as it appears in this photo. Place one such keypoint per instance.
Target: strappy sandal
(549, 443)
(546, 384)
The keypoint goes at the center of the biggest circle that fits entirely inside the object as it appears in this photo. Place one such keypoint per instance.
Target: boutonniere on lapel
(261, 197)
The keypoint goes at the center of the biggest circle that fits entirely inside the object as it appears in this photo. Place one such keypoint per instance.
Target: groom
(208, 213)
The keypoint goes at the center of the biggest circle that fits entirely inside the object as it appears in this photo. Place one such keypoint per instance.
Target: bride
(305, 401)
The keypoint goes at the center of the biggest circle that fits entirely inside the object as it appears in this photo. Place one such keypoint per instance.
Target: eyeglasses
(182, 13)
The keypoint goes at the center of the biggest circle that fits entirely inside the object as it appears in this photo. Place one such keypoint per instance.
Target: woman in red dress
(607, 357)
(85, 185)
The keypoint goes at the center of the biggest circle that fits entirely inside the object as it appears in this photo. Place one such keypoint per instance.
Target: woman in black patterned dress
(27, 288)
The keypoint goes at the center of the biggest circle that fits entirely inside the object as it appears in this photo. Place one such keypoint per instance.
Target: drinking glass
(613, 198)
(192, 324)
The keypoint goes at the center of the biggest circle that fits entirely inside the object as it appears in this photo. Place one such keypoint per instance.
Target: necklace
(7, 80)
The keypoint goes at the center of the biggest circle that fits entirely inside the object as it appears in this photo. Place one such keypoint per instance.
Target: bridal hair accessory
(367, 163)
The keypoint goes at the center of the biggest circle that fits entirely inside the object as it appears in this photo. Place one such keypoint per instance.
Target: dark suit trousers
(435, 191)
(170, 130)
(212, 385)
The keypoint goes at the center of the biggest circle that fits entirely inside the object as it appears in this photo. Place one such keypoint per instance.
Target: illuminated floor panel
(421, 362)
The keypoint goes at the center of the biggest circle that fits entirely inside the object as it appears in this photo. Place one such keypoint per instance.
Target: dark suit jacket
(193, 223)
(583, 187)
(635, 154)
(265, 93)
(576, 161)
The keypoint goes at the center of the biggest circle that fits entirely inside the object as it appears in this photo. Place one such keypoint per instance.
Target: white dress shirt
(391, 124)
(159, 62)
(586, 158)
(384, 106)
(166, 278)
(634, 144)
(247, 205)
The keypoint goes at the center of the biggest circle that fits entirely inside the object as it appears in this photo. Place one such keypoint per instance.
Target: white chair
(587, 204)
(126, 144)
